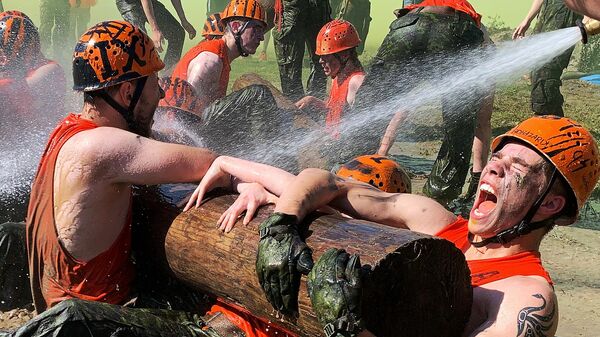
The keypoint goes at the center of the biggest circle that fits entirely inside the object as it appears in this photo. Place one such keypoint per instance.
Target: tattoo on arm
(532, 322)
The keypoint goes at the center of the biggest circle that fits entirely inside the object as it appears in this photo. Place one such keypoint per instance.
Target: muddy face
(252, 36)
(510, 184)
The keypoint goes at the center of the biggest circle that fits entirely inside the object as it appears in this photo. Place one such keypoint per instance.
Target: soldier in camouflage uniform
(297, 26)
(357, 12)
(54, 28)
(590, 55)
(166, 26)
(546, 98)
(415, 37)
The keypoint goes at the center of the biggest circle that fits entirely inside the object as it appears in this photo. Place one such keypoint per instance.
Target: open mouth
(486, 201)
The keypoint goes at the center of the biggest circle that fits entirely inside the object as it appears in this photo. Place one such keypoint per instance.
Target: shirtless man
(540, 175)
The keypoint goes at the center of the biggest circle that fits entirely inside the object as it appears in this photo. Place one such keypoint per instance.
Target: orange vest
(216, 46)
(55, 274)
(459, 5)
(251, 325)
(489, 270)
(336, 103)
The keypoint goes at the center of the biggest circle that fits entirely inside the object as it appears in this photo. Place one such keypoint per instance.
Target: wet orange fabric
(486, 271)
(336, 103)
(251, 325)
(459, 5)
(217, 47)
(55, 274)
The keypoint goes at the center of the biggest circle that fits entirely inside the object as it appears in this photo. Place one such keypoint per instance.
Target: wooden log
(420, 286)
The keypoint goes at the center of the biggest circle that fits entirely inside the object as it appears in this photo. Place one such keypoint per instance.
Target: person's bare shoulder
(97, 150)
(517, 306)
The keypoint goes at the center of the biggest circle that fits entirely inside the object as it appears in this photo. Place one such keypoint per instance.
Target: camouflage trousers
(301, 22)
(75, 317)
(407, 59)
(54, 29)
(546, 98)
(168, 25)
(357, 12)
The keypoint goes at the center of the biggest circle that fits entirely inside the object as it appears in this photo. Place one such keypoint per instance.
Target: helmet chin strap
(126, 113)
(238, 39)
(525, 226)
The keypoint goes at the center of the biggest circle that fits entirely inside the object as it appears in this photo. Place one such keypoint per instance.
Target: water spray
(589, 28)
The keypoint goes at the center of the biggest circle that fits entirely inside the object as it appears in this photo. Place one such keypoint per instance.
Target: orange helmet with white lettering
(568, 145)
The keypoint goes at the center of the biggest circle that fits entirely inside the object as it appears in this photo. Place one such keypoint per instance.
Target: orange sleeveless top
(459, 5)
(336, 103)
(55, 274)
(216, 46)
(251, 325)
(485, 271)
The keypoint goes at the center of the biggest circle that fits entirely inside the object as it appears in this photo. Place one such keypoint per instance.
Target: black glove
(335, 290)
(282, 256)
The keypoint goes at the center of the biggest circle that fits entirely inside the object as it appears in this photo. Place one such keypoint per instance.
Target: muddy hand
(335, 289)
(281, 259)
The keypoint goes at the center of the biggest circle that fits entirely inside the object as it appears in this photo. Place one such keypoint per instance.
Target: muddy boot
(463, 204)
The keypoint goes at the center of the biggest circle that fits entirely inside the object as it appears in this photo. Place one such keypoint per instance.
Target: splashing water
(459, 78)
(463, 78)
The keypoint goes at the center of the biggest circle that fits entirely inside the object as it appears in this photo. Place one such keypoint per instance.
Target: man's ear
(552, 204)
(125, 93)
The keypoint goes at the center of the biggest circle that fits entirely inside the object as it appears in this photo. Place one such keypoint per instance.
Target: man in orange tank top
(540, 175)
(207, 66)
(339, 59)
(79, 220)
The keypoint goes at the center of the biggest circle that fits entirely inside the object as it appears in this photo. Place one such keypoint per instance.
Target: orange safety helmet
(569, 146)
(250, 9)
(213, 26)
(181, 95)
(15, 13)
(113, 52)
(20, 40)
(382, 172)
(336, 36)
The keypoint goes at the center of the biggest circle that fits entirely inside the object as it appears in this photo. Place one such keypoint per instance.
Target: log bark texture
(420, 286)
